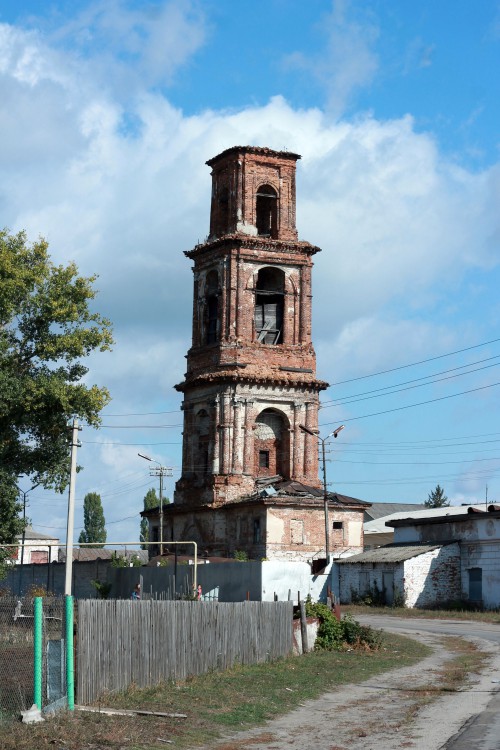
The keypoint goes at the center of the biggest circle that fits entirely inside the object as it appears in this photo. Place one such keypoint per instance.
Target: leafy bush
(120, 561)
(240, 555)
(103, 589)
(335, 635)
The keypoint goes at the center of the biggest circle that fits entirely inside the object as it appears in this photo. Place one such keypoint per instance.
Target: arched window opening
(211, 308)
(202, 431)
(271, 444)
(269, 303)
(266, 210)
(224, 210)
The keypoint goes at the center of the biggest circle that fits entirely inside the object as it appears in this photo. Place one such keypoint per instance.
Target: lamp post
(325, 490)
(23, 538)
(158, 471)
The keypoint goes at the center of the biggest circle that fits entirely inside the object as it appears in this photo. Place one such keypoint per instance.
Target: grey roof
(384, 523)
(90, 554)
(392, 553)
(30, 533)
(378, 510)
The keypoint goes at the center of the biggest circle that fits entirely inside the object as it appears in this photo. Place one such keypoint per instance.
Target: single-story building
(38, 548)
(377, 531)
(433, 560)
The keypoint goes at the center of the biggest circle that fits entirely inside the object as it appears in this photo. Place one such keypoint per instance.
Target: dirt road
(383, 713)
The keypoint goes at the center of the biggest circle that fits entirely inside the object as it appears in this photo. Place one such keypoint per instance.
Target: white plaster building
(433, 560)
(38, 548)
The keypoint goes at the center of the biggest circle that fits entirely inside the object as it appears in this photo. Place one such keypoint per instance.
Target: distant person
(136, 593)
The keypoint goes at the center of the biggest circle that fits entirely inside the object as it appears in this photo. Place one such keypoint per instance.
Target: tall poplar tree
(151, 500)
(94, 525)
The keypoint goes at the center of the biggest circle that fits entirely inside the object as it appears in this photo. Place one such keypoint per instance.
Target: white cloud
(130, 47)
(347, 62)
(399, 225)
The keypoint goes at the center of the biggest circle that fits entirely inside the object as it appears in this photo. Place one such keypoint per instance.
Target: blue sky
(110, 110)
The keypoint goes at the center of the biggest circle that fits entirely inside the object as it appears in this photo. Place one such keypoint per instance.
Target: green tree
(11, 525)
(437, 499)
(151, 500)
(94, 525)
(46, 328)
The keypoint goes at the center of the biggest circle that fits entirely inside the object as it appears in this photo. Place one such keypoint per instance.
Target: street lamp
(325, 490)
(23, 538)
(158, 471)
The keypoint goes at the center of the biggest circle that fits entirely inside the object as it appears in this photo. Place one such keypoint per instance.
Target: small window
(338, 525)
(263, 459)
(256, 531)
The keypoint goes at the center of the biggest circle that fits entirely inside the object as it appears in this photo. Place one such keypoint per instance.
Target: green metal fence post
(37, 653)
(70, 666)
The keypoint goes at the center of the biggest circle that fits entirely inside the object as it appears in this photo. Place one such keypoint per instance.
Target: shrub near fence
(148, 642)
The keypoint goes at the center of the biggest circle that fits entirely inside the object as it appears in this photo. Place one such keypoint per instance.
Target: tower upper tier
(253, 193)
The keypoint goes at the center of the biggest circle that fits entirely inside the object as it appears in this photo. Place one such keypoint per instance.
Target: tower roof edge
(262, 150)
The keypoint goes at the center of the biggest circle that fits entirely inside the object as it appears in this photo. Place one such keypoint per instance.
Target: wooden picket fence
(120, 643)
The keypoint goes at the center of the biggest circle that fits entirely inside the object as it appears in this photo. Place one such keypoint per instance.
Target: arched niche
(271, 444)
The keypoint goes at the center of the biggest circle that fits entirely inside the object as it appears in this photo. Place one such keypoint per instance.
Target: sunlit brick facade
(251, 379)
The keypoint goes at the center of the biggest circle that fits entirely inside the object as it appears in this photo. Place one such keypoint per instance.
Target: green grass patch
(435, 614)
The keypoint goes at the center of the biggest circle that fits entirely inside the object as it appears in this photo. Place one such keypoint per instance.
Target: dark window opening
(263, 459)
(224, 209)
(211, 308)
(267, 212)
(475, 584)
(338, 524)
(202, 459)
(269, 303)
(256, 531)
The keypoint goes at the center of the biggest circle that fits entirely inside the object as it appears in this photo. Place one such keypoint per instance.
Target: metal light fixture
(316, 435)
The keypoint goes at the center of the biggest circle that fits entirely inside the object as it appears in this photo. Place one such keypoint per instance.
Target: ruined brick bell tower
(251, 370)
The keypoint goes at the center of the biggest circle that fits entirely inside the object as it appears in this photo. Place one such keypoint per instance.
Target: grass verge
(433, 614)
(214, 703)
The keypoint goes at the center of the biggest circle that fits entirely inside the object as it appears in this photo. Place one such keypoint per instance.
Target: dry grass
(214, 703)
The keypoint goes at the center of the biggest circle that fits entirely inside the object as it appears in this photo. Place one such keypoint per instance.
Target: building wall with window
(478, 536)
(266, 528)
(433, 560)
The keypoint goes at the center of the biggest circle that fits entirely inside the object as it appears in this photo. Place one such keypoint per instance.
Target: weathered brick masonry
(251, 370)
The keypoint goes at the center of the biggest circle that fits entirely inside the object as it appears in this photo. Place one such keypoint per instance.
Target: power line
(411, 406)
(102, 442)
(414, 364)
(141, 413)
(366, 394)
(139, 426)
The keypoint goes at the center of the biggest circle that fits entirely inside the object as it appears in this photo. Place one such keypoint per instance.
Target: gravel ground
(380, 714)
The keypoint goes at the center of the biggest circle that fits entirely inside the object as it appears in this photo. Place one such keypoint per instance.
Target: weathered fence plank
(121, 643)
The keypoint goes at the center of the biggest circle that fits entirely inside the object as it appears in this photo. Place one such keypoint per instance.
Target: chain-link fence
(17, 627)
